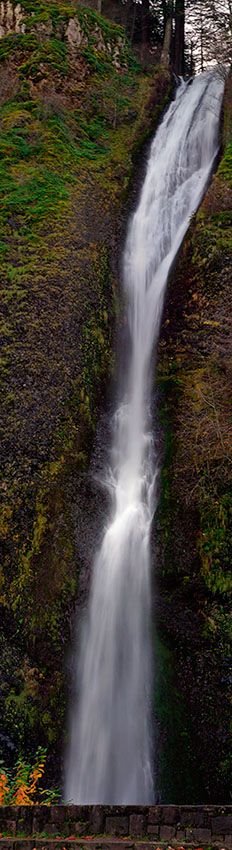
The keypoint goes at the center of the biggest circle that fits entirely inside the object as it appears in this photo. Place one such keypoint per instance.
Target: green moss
(97, 342)
(215, 543)
(194, 516)
(49, 54)
(38, 157)
(41, 12)
(168, 385)
(38, 561)
(89, 20)
(40, 153)
(49, 6)
(65, 132)
(213, 242)
(52, 51)
(225, 167)
(14, 45)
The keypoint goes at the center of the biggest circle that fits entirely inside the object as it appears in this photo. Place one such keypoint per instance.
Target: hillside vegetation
(74, 109)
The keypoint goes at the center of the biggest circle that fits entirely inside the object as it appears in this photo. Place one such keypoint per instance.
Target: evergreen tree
(209, 24)
(179, 37)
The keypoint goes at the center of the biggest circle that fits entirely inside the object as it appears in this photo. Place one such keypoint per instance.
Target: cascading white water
(110, 755)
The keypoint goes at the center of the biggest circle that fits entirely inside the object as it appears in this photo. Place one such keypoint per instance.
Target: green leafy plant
(21, 786)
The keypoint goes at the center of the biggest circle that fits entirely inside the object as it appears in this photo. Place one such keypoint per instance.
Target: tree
(197, 25)
(167, 13)
(209, 25)
(174, 34)
(165, 55)
(220, 23)
(179, 37)
(159, 22)
(146, 21)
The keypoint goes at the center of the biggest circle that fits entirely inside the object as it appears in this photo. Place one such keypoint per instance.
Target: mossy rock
(194, 516)
(69, 130)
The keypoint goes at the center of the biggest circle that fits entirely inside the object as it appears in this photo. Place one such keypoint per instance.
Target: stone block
(80, 827)
(202, 836)
(10, 826)
(137, 825)
(217, 840)
(58, 814)
(96, 819)
(117, 825)
(77, 813)
(189, 834)
(55, 829)
(40, 824)
(153, 830)
(222, 825)
(113, 811)
(68, 827)
(167, 832)
(155, 814)
(25, 818)
(170, 815)
(191, 816)
(6, 813)
(41, 819)
(180, 834)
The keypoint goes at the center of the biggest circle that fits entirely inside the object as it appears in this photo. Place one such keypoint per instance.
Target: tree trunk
(191, 61)
(179, 37)
(133, 23)
(202, 43)
(145, 22)
(165, 55)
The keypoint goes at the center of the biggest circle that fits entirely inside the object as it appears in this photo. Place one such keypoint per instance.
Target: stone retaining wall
(203, 825)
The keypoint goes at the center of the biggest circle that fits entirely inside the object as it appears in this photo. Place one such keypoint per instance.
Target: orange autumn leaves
(4, 788)
(21, 788)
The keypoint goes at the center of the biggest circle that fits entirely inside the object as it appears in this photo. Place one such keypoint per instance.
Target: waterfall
(110, 758)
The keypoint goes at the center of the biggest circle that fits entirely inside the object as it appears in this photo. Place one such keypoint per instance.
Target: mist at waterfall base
(111, 755)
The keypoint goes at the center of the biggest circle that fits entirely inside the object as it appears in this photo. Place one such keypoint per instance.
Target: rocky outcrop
(14, 18)
(77, 39)
(11, 18)
(193, 524)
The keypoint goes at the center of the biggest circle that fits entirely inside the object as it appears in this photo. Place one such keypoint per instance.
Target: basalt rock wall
(193, 527)
(194, 825)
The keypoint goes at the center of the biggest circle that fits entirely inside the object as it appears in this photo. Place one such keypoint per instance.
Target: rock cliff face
(74, 109)
(69, 27)
(11, 18)
(194, 519)
(72, 118)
